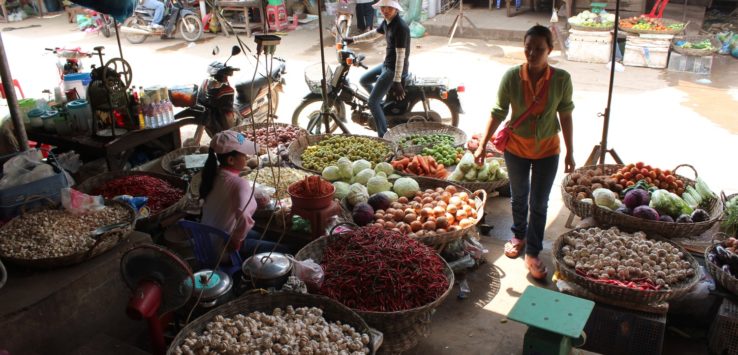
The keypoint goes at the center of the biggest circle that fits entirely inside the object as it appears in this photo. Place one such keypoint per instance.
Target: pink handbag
(503, 136)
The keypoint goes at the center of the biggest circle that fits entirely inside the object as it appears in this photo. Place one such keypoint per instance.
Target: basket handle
(349, 224)
(484, 194)
(687, 165)
(34, 198)
(102, 237)
(377, 338)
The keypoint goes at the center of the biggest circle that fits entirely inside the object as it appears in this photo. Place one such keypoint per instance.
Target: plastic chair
(201, 236)
(277, 17)
(17, 86)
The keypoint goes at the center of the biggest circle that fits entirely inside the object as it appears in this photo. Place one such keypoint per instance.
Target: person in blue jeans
(386, 77)
(158, 8)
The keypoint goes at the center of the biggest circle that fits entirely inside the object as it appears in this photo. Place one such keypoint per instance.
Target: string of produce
(272, 136)
(631, 259)
(161, 193)
(328, 151)
(427, 139)
(376, 270)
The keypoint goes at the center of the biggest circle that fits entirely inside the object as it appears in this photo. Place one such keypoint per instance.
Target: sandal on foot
(536, 268)
(514, 247)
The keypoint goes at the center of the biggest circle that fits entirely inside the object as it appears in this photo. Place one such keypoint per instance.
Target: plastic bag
(69, 161)
(76, 202)
(416, 30)
(138, 203)
(309, 272)
(24, 168)
(263, 195)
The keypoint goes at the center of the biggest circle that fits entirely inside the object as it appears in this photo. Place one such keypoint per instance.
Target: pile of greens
(730, 221)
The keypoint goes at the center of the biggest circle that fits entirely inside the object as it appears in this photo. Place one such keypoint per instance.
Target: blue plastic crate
(32, 194)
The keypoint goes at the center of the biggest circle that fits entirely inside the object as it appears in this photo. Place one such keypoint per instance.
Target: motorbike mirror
(216, 50)
(236, 50)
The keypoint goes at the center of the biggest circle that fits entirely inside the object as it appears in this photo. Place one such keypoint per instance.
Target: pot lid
(267, 266)
(218, 284)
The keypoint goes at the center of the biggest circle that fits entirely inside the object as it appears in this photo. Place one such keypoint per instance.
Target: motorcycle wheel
(449, 115)
(135, 22)
(190, 27)
(308, 113)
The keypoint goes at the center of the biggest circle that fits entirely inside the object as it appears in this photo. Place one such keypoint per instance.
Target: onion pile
(273, 136)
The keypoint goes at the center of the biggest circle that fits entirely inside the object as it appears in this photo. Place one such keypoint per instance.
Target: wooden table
(242, 7)
(116, 151)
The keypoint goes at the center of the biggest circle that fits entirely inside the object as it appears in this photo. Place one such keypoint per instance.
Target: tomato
(664, 185)
(635, 171)
(652, 174)
(618, 176)
(639, 177)
(658, 171)
(670, 178)
(648, 167)
(680, 183)
(648, 179)
(639, 164)
(644, 171)
(629, 183)
(628, 175)
(629, 166)
(680, 191)
(667, 172)
(656, 182)
(623, 182)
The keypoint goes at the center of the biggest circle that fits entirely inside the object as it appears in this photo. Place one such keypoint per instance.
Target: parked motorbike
(218, 105)
(69, 60)
(426, 99)
(176, 16)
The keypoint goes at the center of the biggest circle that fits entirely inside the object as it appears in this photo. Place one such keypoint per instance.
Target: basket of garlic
(625, 267)
(52, 237)
(278, 323)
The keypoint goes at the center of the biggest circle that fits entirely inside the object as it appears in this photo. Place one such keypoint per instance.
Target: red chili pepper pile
(642, 284)
(311, 186)
(378, 270)
(161, 194)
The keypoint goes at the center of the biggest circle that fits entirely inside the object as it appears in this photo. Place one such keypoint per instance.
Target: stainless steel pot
(215, 290)
(267, 270)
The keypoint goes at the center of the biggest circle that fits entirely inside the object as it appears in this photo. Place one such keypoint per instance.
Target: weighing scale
(598, 7)
(554, 319)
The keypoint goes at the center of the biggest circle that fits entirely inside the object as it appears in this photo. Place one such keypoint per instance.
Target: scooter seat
(244, 84)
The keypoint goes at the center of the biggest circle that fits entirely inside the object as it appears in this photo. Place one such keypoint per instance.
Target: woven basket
(583, 209)
(489, 186)
(298, 147)
(621, 293)
(90, 185)
(665, 22)
(728, 281)
(695, 52)
(263, 149)
(266, 302)
(105, 242)
(397, 133)
(402, 330)
(591, 29)
(167, 159)
(664, 229)
(725, 199)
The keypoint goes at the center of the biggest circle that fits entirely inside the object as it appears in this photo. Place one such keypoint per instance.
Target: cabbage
(381, 173)
(378, 184)
(666, 202)
(344, 168)
(392, 176)
(471, 175)
(457, 175)
(391, 195)
(360, 165)
(357, 193)
(384, 167)
(330, 173)
(606, 198)
(406, 187)
(363, 176)
(342, 189)
(466, 163)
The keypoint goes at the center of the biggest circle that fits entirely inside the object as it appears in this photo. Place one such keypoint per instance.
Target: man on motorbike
(158, 8)
(386, 77)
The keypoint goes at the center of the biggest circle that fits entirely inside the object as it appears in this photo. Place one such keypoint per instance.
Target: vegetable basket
(166, 160)
(397, 133)
(728, 281)
(271, 127)
(299, 146)
(489, 186)
(583, 209)
(266, 302)
(665, 229)
(725, 200)
(591, 28)
(403, 329)
(665, 22)
(90, 185)
(104, 242)
(693, 51)
(622, 293)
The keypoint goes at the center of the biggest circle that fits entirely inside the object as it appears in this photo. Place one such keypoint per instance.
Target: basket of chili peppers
(625, 267)
(312, 193)
(165, 193)
(391, 281)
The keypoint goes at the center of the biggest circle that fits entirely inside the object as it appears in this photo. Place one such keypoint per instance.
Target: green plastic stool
(597, 7)
(553, 320)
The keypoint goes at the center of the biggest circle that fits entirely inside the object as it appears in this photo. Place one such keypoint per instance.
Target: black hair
(540, 31)
(211, 169)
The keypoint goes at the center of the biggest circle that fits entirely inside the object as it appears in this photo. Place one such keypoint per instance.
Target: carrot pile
(420, 165)
(311, 186)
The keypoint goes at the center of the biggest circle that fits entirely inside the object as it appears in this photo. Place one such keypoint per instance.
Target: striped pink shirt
(224, 206)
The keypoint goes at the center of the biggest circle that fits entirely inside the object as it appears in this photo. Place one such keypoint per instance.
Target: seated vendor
(229, 201)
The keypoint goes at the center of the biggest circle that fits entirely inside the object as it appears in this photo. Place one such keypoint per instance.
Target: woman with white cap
(387, 76)
(229, 201)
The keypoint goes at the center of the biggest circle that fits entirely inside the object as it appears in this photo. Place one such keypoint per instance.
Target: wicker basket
(665, 22)
(90, 185)
(166, 160)
(695, 52)
(402, 330)
(298, 147)
(489, 186)
(621, 293)
(665, 229)
(399, 132)
(726, 280)
(104, 242)
(583, 209)
(266, 302)
(591, 29)
(263, 149)
(725, 200)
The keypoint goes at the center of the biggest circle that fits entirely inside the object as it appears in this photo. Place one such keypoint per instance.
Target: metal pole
(324, 88)
(15, 114)
(117, 37)
(606, 124)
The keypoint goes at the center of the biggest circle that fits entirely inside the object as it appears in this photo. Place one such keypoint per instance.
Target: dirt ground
(659, 117)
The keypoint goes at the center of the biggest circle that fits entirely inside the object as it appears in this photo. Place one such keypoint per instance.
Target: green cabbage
(345, 171)
(384, 167)
(391, 195)
(669, 203)
(471, 175)
(360, 165)
(406, 187)
(363, 176)
(357, 193)
(393, 176)
(457, 175)
(342, 189)
(466, 163)
(378, 184)
(330, 173)
(606, 198)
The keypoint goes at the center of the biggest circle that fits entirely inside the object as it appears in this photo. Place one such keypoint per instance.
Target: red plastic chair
(277, 17)
(17, 86)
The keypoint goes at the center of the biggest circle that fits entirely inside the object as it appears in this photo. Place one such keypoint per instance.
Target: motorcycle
(69, 60)
(176, 15)
(426, 99)
(218, 106)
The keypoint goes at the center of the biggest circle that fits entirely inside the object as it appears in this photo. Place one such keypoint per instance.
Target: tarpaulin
(120, 9)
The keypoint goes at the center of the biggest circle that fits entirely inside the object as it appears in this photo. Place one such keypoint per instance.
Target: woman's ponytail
(208, 174)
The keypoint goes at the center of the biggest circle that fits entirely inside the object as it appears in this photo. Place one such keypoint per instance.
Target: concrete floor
(659, 117)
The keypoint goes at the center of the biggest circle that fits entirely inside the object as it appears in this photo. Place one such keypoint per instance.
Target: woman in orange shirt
(540, 97)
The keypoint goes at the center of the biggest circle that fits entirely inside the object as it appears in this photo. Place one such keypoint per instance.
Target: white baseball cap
(390, 3)
(228, 141)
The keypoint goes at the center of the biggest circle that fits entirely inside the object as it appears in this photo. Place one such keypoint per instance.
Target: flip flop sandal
(537, 271)
(513, 249)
